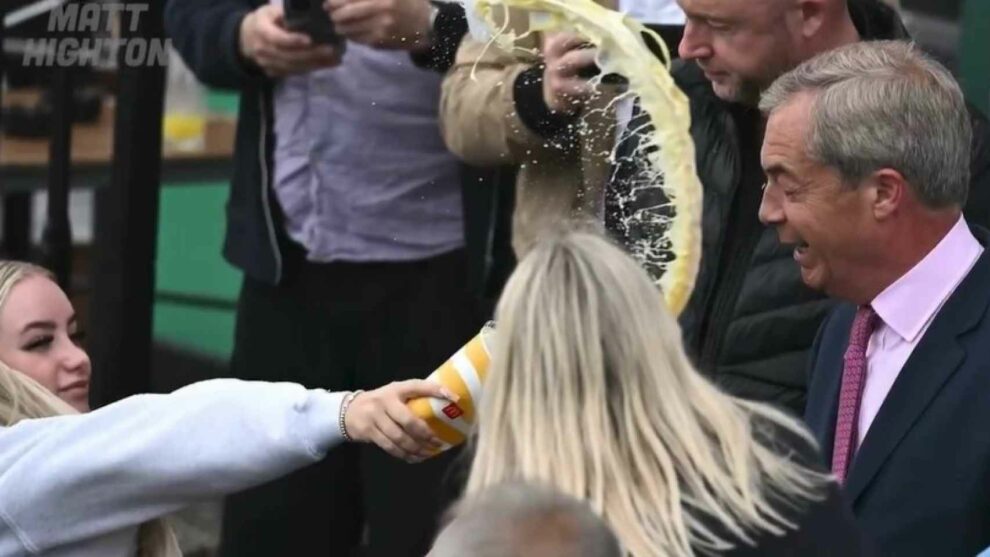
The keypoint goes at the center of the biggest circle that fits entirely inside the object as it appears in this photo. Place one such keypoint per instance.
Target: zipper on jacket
(265, 180)
(735, 260)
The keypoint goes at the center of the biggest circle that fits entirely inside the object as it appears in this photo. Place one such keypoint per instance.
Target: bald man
(751, 321)
(519, 520)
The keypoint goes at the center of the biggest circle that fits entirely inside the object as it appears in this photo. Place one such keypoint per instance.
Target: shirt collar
(908, 304)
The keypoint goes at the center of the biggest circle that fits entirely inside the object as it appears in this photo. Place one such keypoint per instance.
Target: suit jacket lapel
(935, 359)
(823, 393)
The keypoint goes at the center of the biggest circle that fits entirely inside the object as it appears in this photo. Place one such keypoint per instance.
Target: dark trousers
(346, 326)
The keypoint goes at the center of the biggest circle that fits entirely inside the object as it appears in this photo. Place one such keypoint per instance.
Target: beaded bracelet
(348, 398)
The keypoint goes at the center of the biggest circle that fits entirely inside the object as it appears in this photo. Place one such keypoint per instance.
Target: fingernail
(449, 395)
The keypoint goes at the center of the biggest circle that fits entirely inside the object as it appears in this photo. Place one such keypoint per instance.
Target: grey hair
(521, 520)
(885, 104)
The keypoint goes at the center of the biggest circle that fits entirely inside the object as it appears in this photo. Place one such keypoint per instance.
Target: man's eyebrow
(709, 18)
(775, 169)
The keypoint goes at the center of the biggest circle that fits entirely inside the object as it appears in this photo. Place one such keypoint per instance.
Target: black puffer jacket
(751, 320)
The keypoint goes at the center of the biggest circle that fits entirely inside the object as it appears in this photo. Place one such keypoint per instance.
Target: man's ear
(813, 14)
(890, 190)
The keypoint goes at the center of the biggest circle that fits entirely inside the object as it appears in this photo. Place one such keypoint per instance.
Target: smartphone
(593, 70)
(309, 17)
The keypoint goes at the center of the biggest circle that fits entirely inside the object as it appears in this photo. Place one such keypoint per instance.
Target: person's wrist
(549, 98)
(532, 108)
(448, 28)
(427, 30)
(243, 36)
(434, 12)
(342, 417)
(245, 39)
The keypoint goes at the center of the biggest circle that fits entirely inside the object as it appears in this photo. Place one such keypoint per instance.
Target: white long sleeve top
(80, 485)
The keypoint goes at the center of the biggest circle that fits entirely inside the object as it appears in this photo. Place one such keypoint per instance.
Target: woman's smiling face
(40, 336)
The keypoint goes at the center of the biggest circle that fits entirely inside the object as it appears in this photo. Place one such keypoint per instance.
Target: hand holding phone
(565, 56)
(266, 42)
(309, 17)
(593, 71)
(385, 24)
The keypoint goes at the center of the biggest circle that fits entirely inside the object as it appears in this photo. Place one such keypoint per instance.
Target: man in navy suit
(866, 154)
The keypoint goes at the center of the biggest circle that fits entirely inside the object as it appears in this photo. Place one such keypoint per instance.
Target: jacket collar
(935, 360)
(877, 21)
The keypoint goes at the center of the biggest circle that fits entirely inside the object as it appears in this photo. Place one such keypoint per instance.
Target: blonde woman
(590, 392)
(95, 484)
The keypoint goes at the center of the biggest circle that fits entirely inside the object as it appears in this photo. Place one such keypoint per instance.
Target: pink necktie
(851, 393)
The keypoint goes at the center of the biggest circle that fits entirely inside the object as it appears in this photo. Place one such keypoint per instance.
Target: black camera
(309, 17)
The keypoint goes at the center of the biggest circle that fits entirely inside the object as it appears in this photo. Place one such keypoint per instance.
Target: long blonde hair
(22, 398)
(591, 392)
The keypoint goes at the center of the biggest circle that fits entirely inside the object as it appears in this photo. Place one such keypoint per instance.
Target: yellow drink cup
(464, 375)
(184, 131)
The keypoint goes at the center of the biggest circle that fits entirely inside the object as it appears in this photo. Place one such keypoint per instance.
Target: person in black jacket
(346, 216)
(751, 321)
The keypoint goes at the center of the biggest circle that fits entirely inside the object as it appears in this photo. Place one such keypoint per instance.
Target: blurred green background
(190, 236)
